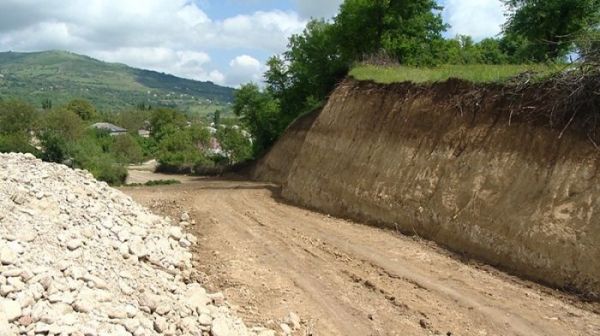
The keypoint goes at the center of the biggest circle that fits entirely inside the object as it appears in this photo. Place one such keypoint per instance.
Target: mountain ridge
(62, 75)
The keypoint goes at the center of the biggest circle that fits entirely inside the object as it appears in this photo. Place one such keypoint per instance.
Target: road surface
(344, 278)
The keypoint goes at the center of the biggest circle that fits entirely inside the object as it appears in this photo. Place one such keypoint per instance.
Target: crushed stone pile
(80, 258)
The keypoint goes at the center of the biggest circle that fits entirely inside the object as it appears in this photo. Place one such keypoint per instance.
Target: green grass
(480, 73)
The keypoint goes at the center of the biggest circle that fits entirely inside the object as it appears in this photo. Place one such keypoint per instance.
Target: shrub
(126, 149)
(235, 143)
(17, 143)
(83, 108)
(87, 153)
(153, 183)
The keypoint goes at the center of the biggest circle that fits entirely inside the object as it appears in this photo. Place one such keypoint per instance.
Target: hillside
(61, 76)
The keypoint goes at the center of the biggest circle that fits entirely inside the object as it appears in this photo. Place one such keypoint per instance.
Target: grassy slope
(61, 76)
(474, 73)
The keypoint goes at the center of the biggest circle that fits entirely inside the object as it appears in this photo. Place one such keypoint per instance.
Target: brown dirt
(344, 278)
(510, 176)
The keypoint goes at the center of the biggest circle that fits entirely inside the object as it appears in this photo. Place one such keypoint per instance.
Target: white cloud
(264, 30)
(173, 36)
(478, 18)
(243, 69)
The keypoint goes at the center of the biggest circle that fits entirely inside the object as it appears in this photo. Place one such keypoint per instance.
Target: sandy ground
(345, 278)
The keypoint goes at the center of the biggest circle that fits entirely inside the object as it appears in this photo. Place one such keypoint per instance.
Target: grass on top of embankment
(478, 73)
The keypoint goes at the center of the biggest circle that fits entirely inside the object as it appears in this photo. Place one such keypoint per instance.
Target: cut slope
(499, 173)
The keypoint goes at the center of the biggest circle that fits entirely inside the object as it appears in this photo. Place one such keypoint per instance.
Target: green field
(474, 73)
(61, 76)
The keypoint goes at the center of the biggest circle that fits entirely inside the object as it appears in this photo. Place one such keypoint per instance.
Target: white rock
(175, 232)
(285, 329)
(293, 320)
(10, 309)
(74, 244)
(8, 256)
(81, 259)
(160, 324)
(205, 319)
(138, 248)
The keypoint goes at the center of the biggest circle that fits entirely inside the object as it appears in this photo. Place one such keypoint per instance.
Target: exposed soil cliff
(503, 174)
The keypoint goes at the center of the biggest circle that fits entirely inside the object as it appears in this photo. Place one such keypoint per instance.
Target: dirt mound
(80, 258)
(506, 174)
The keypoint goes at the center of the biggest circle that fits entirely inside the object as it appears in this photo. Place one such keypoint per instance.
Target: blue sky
(224, 41)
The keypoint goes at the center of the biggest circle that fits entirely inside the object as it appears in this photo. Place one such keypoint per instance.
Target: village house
(113, 130)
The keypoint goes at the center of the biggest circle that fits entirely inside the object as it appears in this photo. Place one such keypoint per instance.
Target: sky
(223, 41)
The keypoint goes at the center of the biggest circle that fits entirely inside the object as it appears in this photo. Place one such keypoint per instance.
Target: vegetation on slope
(57, 77)
(476, 73)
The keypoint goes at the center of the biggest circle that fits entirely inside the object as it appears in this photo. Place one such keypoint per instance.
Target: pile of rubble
(80, 258)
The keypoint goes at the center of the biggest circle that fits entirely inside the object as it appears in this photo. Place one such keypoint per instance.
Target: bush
(63, 123)
(88, 154)
(54, 147)
(127, 150)
(83, 108)
(17, 143)
(235, 143)
(180, 152)
(105, 168)
(153, 183)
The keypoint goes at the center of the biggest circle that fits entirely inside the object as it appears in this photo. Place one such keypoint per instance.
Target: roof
(109, 127)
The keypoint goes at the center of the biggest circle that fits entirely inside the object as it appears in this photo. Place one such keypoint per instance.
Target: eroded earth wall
(473, 168)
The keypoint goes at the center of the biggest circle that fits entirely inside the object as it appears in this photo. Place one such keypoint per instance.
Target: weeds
(480, 73)
(154, 183)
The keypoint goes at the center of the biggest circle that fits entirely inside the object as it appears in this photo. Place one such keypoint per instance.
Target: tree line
(406, 32)
(64, 134)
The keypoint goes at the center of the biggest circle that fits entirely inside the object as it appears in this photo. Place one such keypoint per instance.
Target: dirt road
(344, 278)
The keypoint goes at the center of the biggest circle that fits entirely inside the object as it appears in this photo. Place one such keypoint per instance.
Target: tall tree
(409, 30)
(83, 108)
(551, 26)
(261, 114)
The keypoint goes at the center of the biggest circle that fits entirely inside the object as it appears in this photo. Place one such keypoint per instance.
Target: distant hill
(61, 76)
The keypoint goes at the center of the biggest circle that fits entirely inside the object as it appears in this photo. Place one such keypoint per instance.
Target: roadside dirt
(344, 278)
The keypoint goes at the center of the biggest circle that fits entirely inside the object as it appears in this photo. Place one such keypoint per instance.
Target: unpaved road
(344, 278)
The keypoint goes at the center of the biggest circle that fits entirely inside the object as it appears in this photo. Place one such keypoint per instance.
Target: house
(144, 133)
(110, 128)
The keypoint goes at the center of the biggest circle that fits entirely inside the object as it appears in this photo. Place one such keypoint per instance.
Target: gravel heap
(80, 258)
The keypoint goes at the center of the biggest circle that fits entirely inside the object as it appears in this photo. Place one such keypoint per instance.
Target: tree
(260, 113)
(315, 66)
(126, 149)
(83, 108)
(551, 26)
(359, 27)
(199, 135)
(411, 31)
(133, 119)
(164, 121)
(60, 129)
(235, 143)
(16, 117)
(64, 123)
(217, 118)
(490, 51)
(178, 154)
(47, 104)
